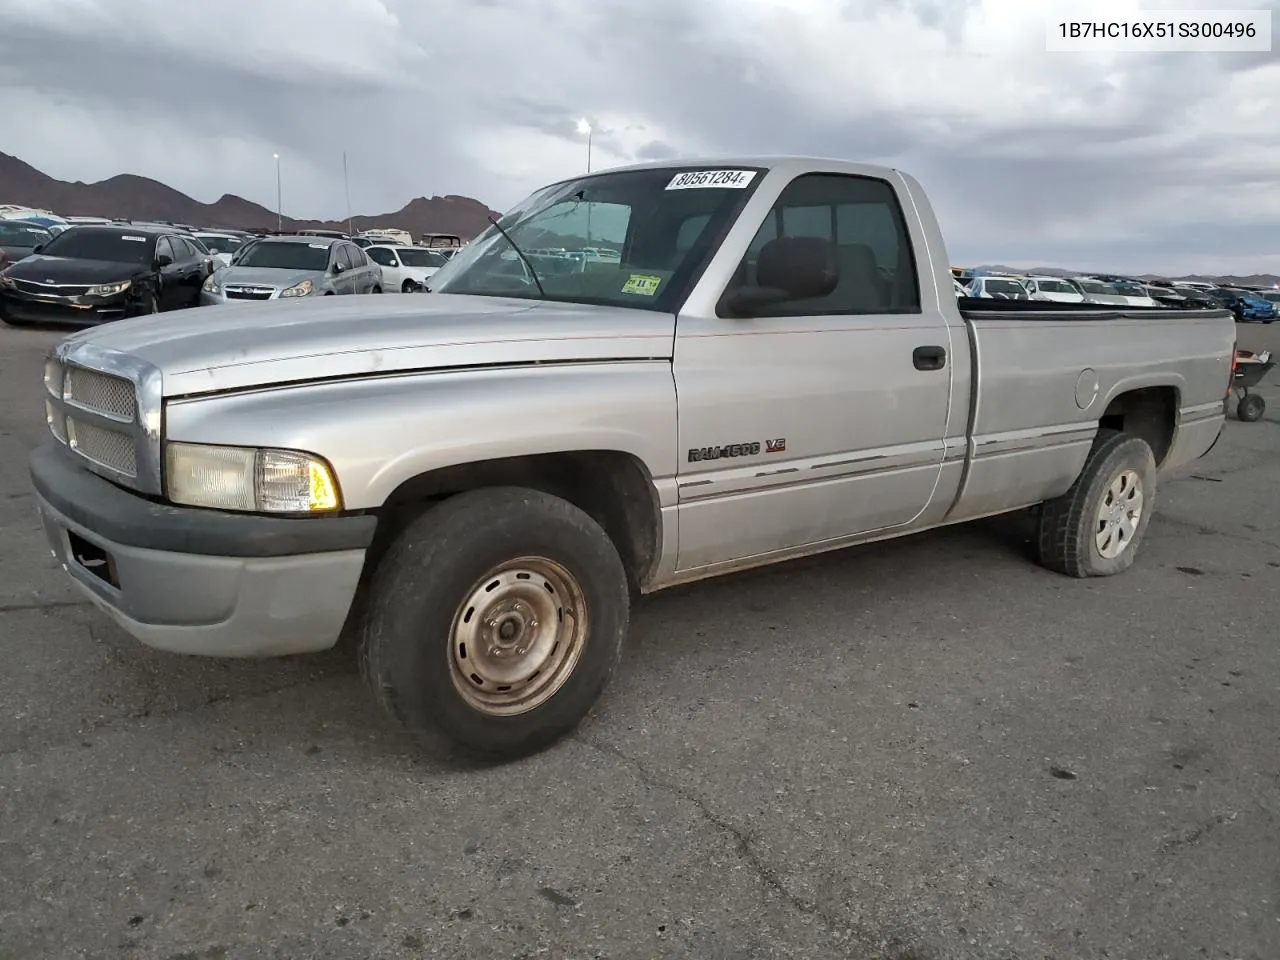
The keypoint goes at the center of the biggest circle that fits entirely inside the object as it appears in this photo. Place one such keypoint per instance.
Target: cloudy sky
(1163, 162)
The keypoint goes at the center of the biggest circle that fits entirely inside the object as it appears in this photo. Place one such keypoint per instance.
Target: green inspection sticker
(643, 285)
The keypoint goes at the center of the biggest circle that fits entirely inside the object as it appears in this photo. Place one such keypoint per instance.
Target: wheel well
(614, 488)
(1150, 413)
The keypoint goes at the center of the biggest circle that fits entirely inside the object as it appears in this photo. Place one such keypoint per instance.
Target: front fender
(378, 432)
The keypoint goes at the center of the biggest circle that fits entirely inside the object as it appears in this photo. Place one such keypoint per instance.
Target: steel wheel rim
(1119, 515)
(517, 636)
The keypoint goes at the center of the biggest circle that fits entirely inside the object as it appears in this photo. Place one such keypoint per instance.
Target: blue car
(1248, 306)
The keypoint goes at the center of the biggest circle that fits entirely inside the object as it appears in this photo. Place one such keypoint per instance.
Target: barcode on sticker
(724, 179)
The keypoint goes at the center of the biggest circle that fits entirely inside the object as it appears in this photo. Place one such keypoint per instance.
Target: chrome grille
(111, 396)
(51, 289)
(245, 292)
(109, 449)
(105, 408)
(57, 422)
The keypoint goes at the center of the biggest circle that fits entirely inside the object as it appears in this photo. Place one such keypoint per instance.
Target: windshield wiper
(520, 253)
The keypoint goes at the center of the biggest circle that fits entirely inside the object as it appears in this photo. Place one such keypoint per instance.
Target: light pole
(279, 206)
(585, 128)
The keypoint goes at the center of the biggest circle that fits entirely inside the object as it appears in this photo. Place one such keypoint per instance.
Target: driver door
(817, 420)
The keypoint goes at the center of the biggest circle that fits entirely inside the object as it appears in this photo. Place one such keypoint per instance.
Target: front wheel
(376, 290)
(495, 621)
(1095, 528)
(408, 287)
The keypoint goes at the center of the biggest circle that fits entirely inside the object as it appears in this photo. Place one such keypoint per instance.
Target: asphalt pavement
(921, 750)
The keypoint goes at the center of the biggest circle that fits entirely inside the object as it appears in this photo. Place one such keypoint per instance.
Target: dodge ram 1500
(746, 361)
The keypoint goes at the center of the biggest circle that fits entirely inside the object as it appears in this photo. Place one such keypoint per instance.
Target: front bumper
(196, 581)
(74, 311)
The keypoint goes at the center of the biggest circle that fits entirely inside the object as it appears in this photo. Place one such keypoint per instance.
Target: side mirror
(37, 248)
(163, 261)
(338, 268)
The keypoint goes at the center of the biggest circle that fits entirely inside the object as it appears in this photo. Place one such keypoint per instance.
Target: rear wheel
(494, 622)
(376, 290)
(1250, 408)
(1096, 527)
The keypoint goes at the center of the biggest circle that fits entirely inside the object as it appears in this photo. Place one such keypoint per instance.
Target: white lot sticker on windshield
(318, 246)
(724, 179)
(134, 239)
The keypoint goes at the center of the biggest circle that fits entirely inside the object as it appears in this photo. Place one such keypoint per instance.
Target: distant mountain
(1253, 280)
(138, 198)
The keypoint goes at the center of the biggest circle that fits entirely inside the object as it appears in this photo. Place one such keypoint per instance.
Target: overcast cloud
(1163, 162)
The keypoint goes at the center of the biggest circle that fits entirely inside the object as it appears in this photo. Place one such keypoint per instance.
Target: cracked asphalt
(920, 750)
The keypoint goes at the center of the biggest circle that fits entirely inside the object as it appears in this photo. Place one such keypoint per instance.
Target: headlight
(211, 283)
(298, 290)
(108, 289)
(244, 478)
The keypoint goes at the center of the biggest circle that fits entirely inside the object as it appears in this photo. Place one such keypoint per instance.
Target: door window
(382, 256)
(861, 218)
(165, 249)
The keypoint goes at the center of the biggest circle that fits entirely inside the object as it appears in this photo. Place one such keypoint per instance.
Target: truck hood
(245, 345)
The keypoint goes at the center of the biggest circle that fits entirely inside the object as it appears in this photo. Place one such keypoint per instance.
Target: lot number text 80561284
(692, 179)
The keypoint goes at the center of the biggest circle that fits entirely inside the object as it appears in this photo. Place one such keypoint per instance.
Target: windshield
(1093, 286)
(1010, 287)
(92, 243)
(1055, 286)
(286, 255)
(634, 238)
(22, 235)
(220, 244)
(1274, 297)
(1130, 290)
(417, 257)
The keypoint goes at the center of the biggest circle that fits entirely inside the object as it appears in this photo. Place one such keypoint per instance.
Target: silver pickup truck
(761, 359)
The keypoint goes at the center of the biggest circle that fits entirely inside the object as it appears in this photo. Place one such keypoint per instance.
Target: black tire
(410, 655)
(376, 290)
(1068, 528)
(1250, 408)
(408, 287)
(151, 304)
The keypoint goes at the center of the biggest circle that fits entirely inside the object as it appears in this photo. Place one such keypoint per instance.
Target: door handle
(929, 358)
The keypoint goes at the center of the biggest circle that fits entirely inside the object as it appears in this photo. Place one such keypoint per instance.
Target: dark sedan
(18, 240)
(92, 274)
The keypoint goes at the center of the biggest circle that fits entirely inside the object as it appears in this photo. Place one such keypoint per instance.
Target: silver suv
(287, 267)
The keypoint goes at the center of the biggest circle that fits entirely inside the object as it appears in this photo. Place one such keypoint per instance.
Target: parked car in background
(19, 239)
(93, 274)
(405, 269)
(1095, 291)
(960, 289)
(276, 268)
(1134, 293)
(221, 245)
(387, 237)
(1054, 289)
(998, 288)
(1249, 307)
